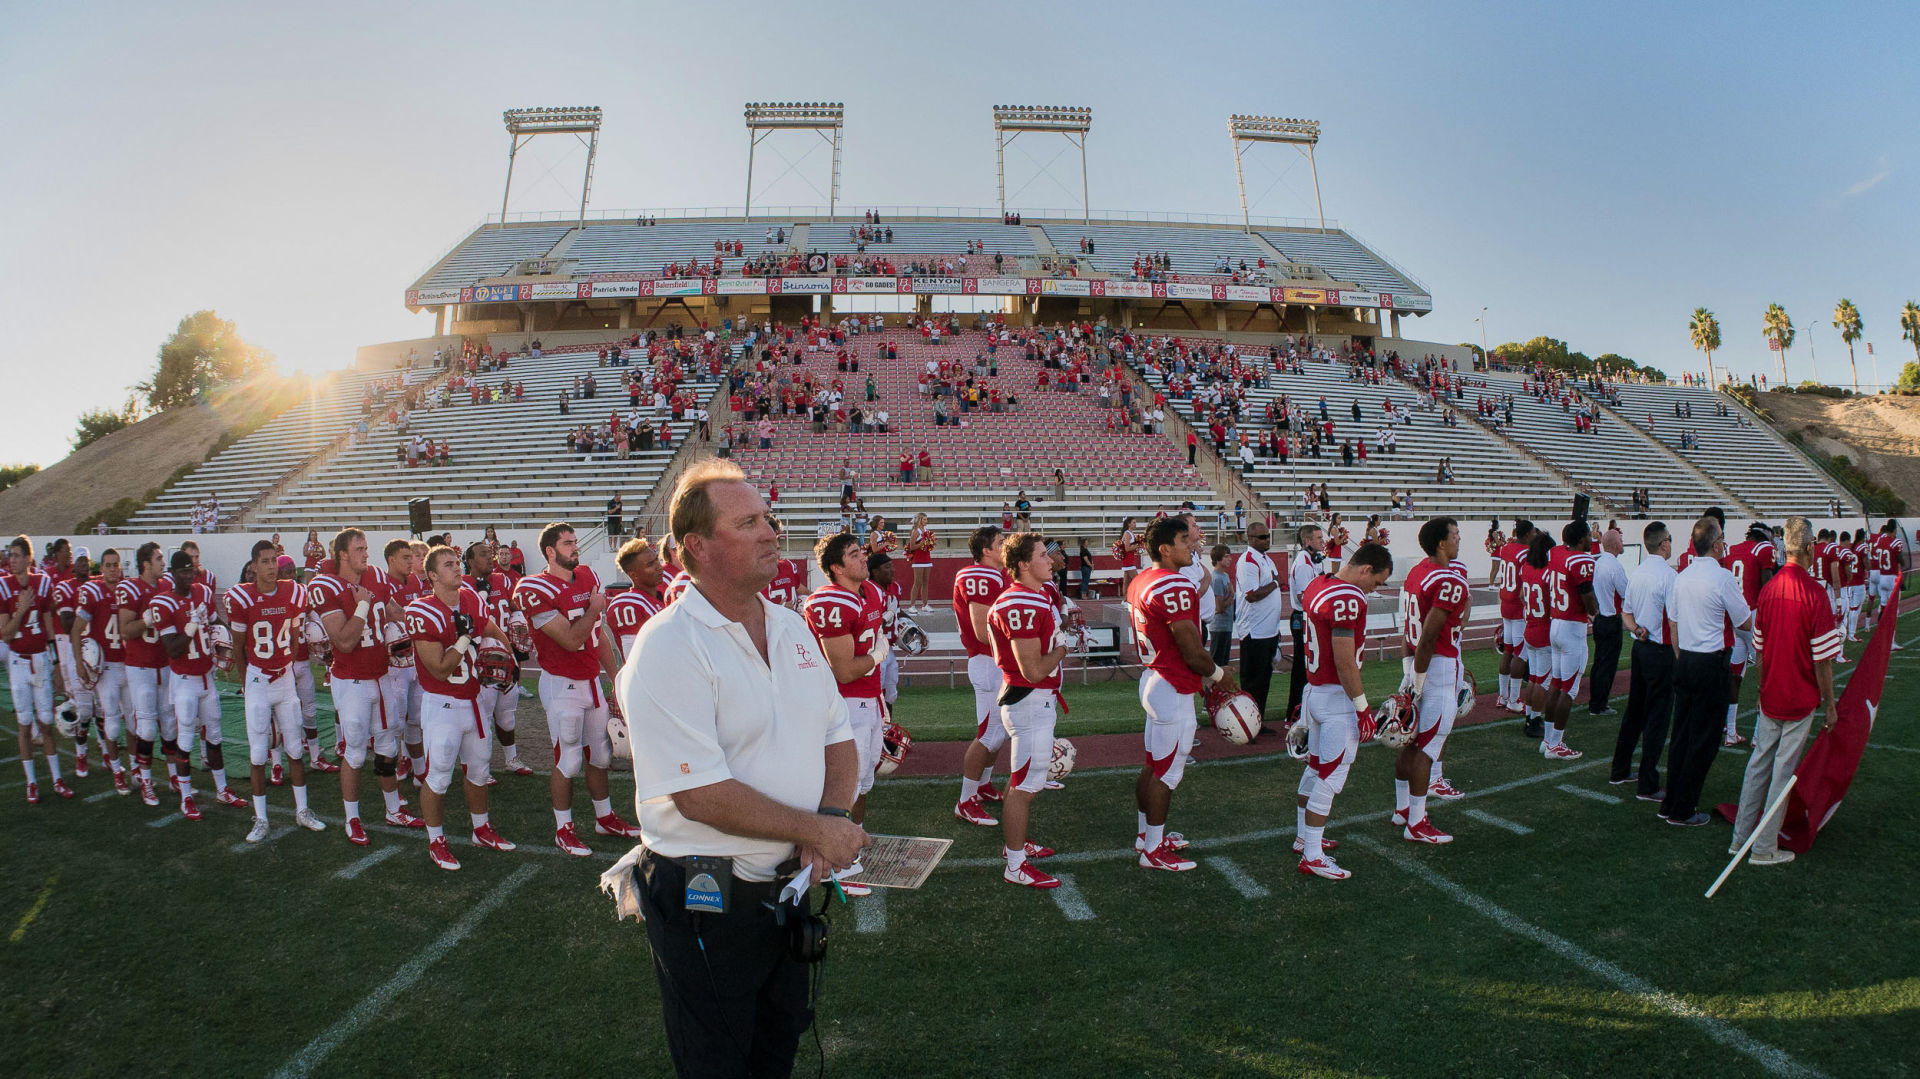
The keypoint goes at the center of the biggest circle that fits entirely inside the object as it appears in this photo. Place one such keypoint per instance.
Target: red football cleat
(519, 768)
(566, 840)
(277, 776)
(356, 832)
(1030, 875)
(990, 793)
(1423, 831)
(33, 794)
(1165, 857)
(322, 764)
(442, 854)
(611, 824)
(80, 764)
(147, 794)
(1323, 867)
(228, 797)
(120, 785)
(973, 812)
(400, 818)
(1035, 850)
(404, 770)
(60, 788)
(188, 809)
(485, 836)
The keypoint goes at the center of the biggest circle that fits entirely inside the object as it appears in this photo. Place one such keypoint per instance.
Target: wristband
(834, 811)
(1419, 682)
(1359, 703)
(1219, 672)
(360, 611)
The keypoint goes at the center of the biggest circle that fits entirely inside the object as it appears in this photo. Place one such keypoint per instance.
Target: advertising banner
(1138, 290)
(669, 287)
(867, 286)
(552, 290)
(997, 286)
(1181, 291)
(1249, 293)
(1405, 302)
(1065, 286)
(612, 290)
(1307, 295)
(809, 286)
(1352, 298)
(936, 285)
(742, 286)
(490, 294)
(418, 297)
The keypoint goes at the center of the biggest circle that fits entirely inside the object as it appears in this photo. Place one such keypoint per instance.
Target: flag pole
(1748, 845)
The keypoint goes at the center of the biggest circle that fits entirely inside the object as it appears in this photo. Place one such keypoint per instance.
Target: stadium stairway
(509, 464)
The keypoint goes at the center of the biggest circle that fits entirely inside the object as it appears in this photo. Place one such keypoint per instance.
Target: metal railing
(1037, 216)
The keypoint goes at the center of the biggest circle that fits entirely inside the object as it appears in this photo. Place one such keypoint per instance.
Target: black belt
(744, 889)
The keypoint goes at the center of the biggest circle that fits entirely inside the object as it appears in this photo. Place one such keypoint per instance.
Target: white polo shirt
(1707, 606)
(1301, 574)
(1202, 579)
(1609, 583)
(1258, 618)
(1646, 597)
(702, 707)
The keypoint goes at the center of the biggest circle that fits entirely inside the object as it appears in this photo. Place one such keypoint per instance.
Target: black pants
(1649, 710)
(1222, 647)
(1256, 667)
(1606, 659)
(1699, 720)
(739, 1007)
(1297, 679)
(1190, 453)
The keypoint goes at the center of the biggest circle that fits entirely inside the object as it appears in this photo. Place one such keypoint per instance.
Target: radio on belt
(708, 882)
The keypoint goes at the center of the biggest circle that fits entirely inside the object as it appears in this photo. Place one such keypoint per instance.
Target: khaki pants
(1776, 752)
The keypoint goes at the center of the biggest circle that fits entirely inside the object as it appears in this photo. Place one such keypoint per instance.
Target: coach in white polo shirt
(1257, 588)
(1609, 590)
(1643, 610)
(1706, 606)
(1797, 640)
(745, 769)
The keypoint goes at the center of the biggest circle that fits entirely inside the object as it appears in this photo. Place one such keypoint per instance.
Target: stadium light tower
(1069, 121)
(1301, 134)
(524, 124)
(824, 118)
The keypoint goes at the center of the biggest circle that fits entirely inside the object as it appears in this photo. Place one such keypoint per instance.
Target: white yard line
(273, 836)
(870, 912)
(1498, 822)
(162, 822)
(1240, 879)
(376, 1002)
(101, 797)
(355, 869)
(1582, 792)
(1068, 898)
(1775, 1061)
(1896, 749)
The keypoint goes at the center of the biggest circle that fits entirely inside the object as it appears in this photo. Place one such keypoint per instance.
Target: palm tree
(1704, 330)
(1910, 325)
(1846, 319)
(1778, 328)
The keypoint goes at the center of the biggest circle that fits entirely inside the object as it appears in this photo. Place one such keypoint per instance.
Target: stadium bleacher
(946, 238)
(490, 251)
(1340, 257)
(1192, 250)
(1746, 459)
(613, 246)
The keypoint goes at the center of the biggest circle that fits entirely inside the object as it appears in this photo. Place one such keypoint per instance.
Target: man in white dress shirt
(1650, 693)
(1707, 608)
(1609, 588)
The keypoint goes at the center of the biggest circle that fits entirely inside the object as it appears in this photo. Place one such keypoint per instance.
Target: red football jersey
(1021, 612)
(134, 594)
(975, 584)
(676, 587)
(102, 611)
(328, 593)
(1533, 596)
(890, 614)
(430, 619)
(626, 613)
(267, 624)
(1862, 562)
(1567, 570)
(1793, 629)
(1157, 599)
(1510, 556)
(1330, 604)
(497, 595)
(175, 613)
(66, 592)
(1749, 560)
(31, 638)
(788, 577)
(1430, 587)
(833, 611)
(1887, 552)
(543, 597)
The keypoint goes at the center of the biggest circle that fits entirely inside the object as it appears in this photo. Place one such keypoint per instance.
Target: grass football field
(1562, 933)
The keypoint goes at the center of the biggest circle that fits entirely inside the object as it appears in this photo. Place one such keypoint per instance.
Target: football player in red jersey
(1027, 649)
(789, 579)
(844, 615)
(1538, 635)
(1513, 619)
(145, 664)
(1753, 562)
(500, 706)
(1437, 602)
(676, 586)
(639, 559)
(563, 604)
(1856, 590)
(66, 604)
(265, 617)
(26, 624)
(443, 625)
(1335, 709)
(96, 618)
(1890, 559)
(880, 571)
(400, 586)
(1570, 608)
(975, 588)
(184, 614)
(1165, 609)
(356, 605)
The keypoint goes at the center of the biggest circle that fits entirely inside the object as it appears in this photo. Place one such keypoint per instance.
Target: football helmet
(520, 633)
(617, 734)
(495, 666)
(89, 663)
(319, 645)
(1296, 736)
(909, 638)
(895, 743)
(1235, 715)
(399, 645)
(66, 720)
(1469, 693)
(1061, 766)
(1394, 722)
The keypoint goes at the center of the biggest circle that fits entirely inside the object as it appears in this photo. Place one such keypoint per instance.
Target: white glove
(151, 616)
(464, 644)
(191, 627)
(882, 648)
(1419, 683)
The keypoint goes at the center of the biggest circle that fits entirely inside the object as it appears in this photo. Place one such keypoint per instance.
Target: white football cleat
(1444, 791)
(1169, 839)
(259, 830)
(1030, 875)
(1167, 858)
(1423, 831)
(1324, 867)
(305, 819)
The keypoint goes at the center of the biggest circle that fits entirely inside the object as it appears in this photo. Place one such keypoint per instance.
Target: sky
(1591, 173)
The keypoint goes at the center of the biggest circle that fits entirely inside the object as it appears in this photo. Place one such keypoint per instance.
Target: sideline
(1775, 1061)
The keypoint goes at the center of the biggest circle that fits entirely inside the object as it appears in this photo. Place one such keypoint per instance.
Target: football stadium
(1479, 708)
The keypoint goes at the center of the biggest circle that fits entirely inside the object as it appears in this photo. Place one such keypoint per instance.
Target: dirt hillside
(1881, 434)
(129, 462)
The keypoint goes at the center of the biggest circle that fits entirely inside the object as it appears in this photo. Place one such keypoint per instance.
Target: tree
(1909, 378)
(96, 424)
(203, 351)
(1846, 319)
(12, 474)
(1704, 331)
(1910, 325)
(1778, 328)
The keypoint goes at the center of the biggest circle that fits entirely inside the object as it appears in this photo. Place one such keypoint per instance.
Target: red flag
(1827, 770)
